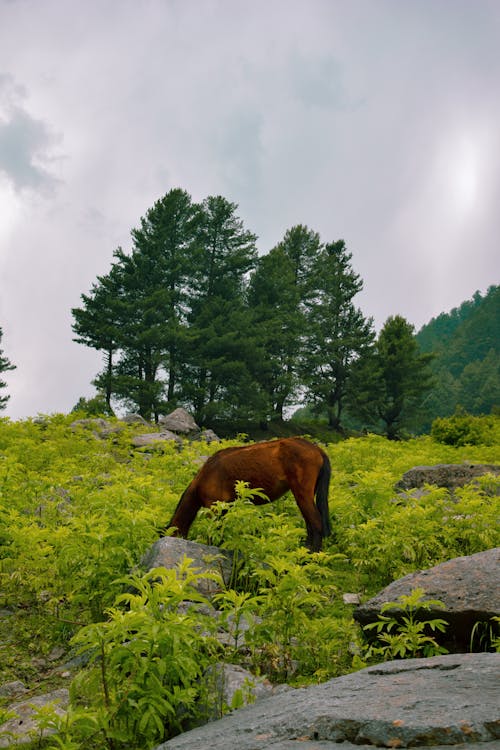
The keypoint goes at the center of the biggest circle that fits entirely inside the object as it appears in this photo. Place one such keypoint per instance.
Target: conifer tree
(336, 335)
(221, 351)
(5, 366)
(274, 300)
(396, 379)
(278, 294)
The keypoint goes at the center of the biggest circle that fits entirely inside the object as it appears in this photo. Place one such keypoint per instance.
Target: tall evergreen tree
(221, 343)
(157, 277)
(274, 299)
(337, 333)
(99, 323)
(5, 366)
(279, 291)
(137, 314)
(404, 375)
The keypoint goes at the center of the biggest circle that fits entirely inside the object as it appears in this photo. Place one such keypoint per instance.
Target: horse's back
(271, 466)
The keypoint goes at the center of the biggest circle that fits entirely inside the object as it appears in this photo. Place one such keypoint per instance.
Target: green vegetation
(466, 366)
(77, 513)
(191, 315)
(403, 634)
(465, 429)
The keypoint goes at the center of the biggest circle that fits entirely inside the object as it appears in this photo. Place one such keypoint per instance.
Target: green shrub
(403, 633)
(147, 663)
(465, 429)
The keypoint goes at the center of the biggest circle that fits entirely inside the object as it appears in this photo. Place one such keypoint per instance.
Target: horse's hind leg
(311, 516)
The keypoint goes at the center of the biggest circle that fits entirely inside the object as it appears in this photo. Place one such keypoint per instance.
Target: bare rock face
(469, 588)
(450, 476)
(442, 701)
(169, 551)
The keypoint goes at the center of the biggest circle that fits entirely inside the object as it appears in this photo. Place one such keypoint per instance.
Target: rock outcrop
(172, 427)
(450, 476)
(446, 701)
(469, 588)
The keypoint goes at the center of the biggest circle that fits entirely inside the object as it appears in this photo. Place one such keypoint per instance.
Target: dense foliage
(192, 316)
(466, 366)
(78, 512)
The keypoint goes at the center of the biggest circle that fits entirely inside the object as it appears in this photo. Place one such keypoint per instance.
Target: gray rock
(24, 727)
(469, 588)
(209, 436)
(179, 421)
(445, 475)
(133, 419)
(151, 439)
(230, 683)
(446, 700)
(351, 598)
(16, 687)
(169, 551)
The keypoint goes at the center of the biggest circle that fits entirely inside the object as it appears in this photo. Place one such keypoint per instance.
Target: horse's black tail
(321, 490)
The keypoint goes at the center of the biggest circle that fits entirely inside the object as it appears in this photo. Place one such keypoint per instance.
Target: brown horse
(275, 467)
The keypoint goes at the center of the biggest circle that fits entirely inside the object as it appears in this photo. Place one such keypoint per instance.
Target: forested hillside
(466, 366)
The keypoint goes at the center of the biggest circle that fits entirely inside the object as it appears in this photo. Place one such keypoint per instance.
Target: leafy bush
(404, 632)
(147, 662)
(465, 429)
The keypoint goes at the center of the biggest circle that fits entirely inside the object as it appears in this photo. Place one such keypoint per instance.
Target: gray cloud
(26, 143)
(374, 122)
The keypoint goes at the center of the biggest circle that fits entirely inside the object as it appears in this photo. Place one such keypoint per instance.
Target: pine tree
(221, 348)
(404, 372)
(337, 334)
(274, 300)
(99, 324)
(5, 366)
(279, 290)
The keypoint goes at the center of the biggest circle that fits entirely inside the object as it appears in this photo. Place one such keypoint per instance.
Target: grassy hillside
(78, 512)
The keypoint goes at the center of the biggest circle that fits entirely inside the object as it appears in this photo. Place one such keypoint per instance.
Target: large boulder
(231, 686)
(469, 588)
(24, 727)
(155, 439)
(179, 421)
(169, 551)
(450, 476)
(446, 701)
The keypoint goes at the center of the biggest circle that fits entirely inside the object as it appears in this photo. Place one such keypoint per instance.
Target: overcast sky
(374, 121)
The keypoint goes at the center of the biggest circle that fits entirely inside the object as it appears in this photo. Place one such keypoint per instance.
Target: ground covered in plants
(77, 513)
